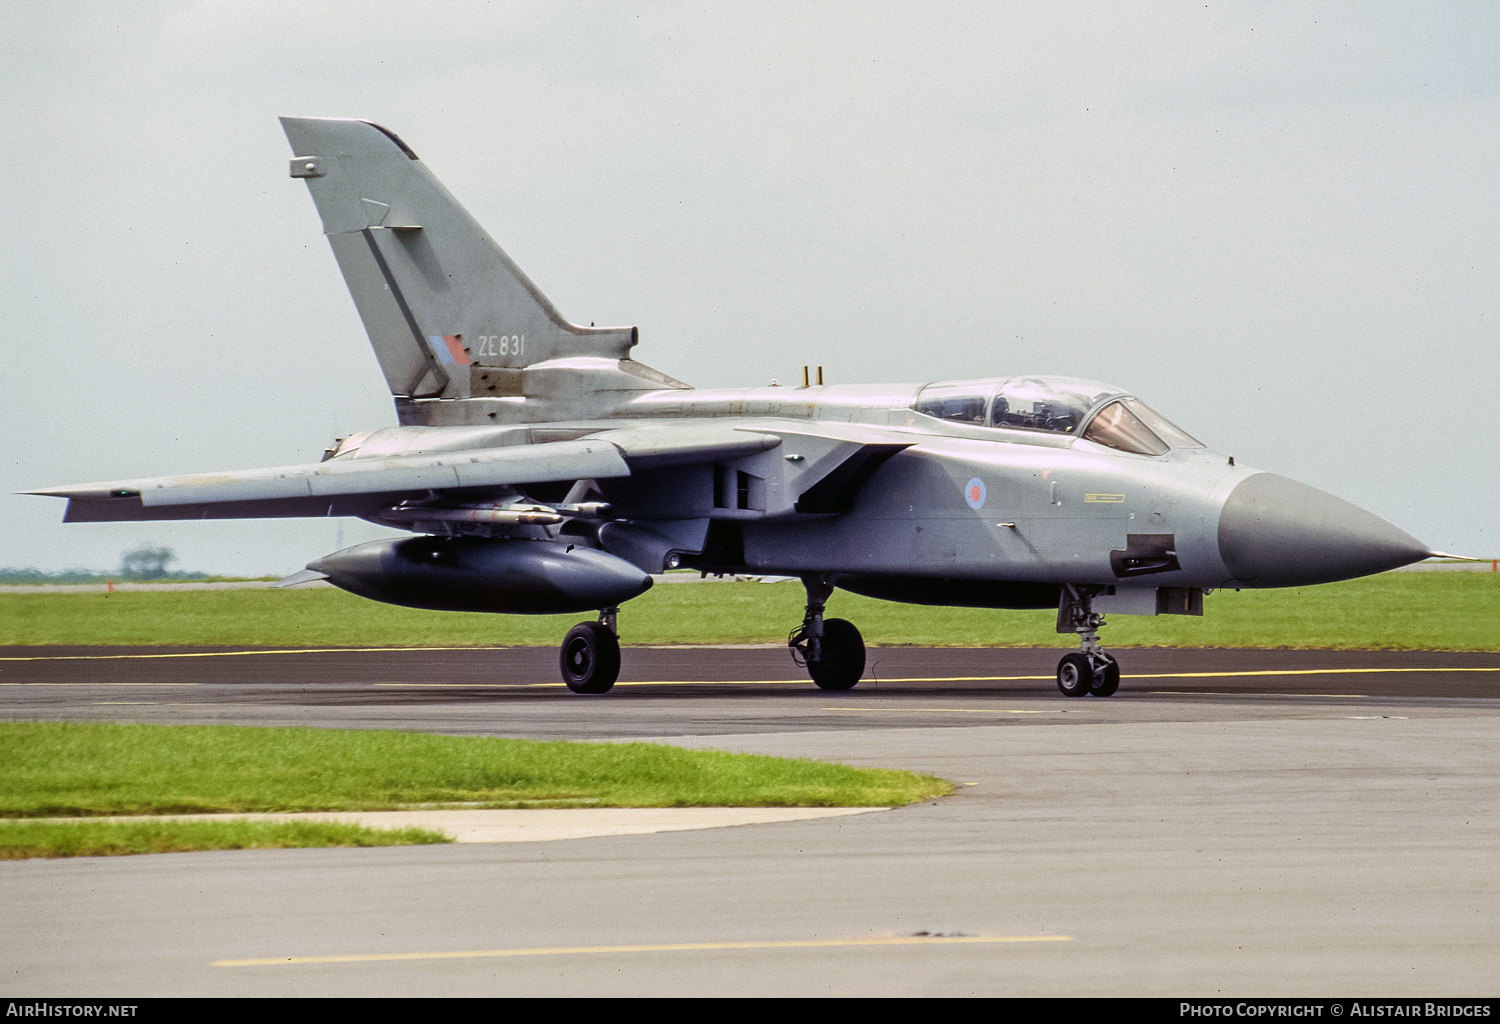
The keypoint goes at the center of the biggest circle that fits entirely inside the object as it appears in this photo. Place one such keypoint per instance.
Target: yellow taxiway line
(721, 682)
(235, 654)
(875, 681)
(871, 683)
(976, 679)
(669, 947)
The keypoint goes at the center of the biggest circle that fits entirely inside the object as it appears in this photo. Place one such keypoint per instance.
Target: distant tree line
(140, 563)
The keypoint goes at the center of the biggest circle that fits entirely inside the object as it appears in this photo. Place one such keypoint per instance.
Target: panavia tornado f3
(543, 470)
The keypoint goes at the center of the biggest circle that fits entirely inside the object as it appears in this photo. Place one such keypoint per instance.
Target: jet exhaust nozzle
(1276, 532)
(475, 574)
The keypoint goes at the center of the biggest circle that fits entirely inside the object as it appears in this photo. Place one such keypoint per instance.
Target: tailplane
(450, 315)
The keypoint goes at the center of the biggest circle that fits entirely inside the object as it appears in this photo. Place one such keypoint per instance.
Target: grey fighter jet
(544, 470)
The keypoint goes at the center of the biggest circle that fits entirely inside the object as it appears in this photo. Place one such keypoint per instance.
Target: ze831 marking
(500, 346)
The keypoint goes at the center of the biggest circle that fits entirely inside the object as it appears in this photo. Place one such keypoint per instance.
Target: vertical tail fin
(444, 306)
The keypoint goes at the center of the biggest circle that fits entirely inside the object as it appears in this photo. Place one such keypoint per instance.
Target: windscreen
(1129, 425)
(1162, 427)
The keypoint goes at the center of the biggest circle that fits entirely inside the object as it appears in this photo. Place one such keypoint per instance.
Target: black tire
(843, 660)
(590, 658)
(1075, 677)
(1107, 678)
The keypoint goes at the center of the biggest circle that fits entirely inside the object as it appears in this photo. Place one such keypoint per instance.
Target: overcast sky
(1278, 223)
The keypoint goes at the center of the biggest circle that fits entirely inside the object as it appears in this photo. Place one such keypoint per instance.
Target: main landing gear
(590, 655)
(1090, 670)
(832, 649)
(834, 653)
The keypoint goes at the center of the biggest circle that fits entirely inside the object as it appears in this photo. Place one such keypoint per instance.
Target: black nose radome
(1275, 532)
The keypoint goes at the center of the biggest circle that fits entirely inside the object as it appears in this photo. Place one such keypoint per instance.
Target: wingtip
(87, 492)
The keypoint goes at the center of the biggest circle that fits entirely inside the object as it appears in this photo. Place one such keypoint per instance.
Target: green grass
(54, 769)
(103, 838)
(97, 770)
(1458, 611)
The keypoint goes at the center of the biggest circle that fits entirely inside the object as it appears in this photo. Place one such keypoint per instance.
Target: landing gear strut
(1090, 670)
(590, 655)
(832, 649)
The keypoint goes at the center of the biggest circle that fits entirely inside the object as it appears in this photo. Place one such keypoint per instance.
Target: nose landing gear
(1090, 670)
(1079, 675)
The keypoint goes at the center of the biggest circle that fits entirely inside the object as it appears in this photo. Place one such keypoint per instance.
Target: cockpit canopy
(1096, 412)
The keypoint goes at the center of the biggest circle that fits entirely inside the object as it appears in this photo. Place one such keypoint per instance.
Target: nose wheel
(1089, 670)
(1079, 675)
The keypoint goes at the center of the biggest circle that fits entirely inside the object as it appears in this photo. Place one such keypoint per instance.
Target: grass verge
(82, 769)
(103, 838)
(1454, 611)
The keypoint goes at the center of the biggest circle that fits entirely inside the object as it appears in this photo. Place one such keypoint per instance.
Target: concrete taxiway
(1245, 823)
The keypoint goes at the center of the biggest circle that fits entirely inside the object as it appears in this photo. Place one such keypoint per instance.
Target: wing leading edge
(358, 486)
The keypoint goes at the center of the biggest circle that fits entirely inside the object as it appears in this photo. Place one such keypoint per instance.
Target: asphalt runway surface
(1232, 823)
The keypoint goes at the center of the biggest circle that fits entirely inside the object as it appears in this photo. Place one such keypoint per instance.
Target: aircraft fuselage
(957, 503)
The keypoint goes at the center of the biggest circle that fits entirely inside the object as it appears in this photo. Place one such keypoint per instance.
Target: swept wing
(357, 486)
